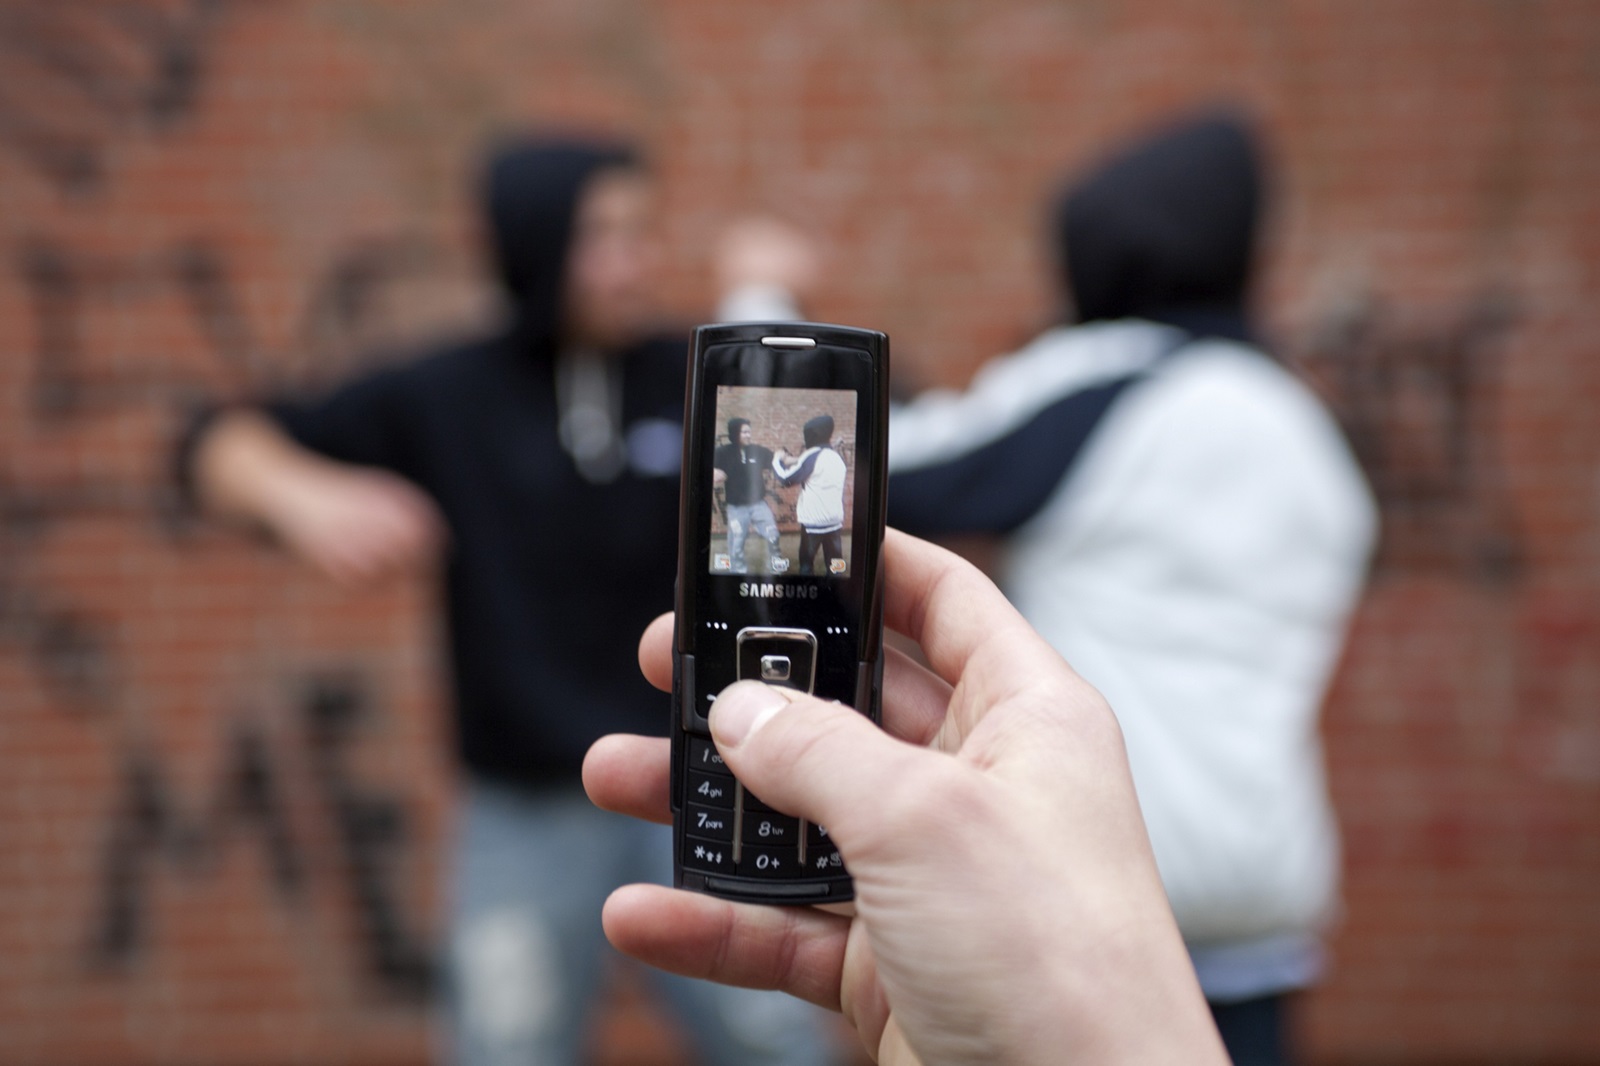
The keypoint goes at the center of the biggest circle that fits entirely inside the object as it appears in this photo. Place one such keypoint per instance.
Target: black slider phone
(780, 579)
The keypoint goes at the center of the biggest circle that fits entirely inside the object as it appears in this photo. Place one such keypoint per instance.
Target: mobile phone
(780, 579)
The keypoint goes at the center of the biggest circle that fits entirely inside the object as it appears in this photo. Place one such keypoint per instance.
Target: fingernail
(741, 709)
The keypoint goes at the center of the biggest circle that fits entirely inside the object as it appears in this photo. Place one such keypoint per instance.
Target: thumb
(807, 757)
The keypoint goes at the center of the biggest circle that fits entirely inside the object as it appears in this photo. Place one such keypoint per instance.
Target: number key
(703, 755)
(770, 829)
(710, 823)
(770, 864)
(714, 790)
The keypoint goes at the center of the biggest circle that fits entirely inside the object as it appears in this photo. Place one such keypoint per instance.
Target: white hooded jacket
(1197, 561)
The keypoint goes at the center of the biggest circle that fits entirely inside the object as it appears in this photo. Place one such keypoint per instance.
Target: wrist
(1140, 1004)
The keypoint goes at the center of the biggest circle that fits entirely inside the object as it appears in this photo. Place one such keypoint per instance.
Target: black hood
(531, 191)
(1166, 229)
(818, 431)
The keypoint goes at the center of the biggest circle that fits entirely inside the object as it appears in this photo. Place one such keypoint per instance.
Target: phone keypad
(726, 830)
(729, 831)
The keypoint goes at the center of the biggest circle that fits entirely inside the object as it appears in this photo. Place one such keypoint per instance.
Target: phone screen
(784, 472)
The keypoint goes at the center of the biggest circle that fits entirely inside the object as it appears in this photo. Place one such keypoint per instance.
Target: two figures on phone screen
(741, 465)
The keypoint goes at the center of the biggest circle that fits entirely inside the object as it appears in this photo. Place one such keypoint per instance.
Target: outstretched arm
(797, 473)
(355, 524)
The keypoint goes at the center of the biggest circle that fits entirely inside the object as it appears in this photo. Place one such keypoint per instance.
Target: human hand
(760, 250)
(1008, 907)
(356, 525)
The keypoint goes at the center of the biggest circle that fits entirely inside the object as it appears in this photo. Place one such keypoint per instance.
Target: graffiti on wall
(152, 833)
(77, 81)
(78, 76)
(66, 287)
(73, 651)
(1416, 394)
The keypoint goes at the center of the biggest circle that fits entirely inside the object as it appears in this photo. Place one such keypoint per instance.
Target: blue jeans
(527, 954)
(744, 517)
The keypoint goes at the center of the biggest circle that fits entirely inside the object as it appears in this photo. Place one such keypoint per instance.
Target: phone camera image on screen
(784, 481)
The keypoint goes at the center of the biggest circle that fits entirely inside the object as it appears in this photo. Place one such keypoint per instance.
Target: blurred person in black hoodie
(541, 462)
(1183, 521)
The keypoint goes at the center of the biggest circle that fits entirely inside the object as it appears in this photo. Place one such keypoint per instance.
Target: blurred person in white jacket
(1185, 523)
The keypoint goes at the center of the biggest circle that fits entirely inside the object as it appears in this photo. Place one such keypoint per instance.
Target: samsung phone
(780, 579)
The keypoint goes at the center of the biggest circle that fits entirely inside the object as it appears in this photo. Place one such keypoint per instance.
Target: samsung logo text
(771, 590)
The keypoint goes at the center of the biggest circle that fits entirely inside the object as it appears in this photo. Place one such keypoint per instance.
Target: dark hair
(734, 425)
(819, 431)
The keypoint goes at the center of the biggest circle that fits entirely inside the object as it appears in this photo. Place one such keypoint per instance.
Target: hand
(765, 251)
(1008, 908)
(355, 524)
(358, 525)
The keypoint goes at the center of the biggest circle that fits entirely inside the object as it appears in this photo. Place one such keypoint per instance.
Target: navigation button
(778, 656)
(774, 668)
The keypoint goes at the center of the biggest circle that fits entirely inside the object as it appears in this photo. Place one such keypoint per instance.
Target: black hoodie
(550, 578)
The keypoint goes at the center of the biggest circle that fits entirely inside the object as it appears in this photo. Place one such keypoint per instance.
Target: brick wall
(226, 787)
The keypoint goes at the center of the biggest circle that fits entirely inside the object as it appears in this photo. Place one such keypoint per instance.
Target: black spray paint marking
(149, 830)
(66, 286)
(151, 833)
(374, 832)
(1415, 396)
(75, 81)
(75, 78)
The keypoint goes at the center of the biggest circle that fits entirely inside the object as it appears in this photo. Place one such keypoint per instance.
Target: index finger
(655, 652)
